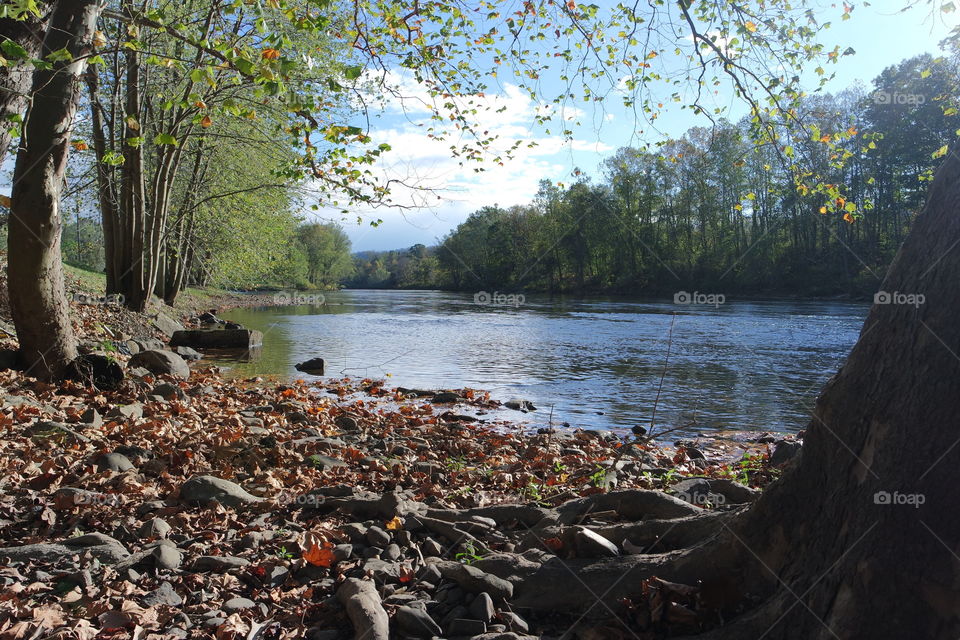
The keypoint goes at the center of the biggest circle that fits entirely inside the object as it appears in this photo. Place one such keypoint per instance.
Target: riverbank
(182, 504)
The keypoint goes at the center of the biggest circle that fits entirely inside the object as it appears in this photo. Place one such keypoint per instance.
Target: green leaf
(61, 55)
(352, 73)
(197, 75)
(13, 51)
(165, 138)
(939, 153)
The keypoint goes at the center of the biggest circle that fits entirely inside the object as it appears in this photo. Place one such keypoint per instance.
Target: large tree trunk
(860, 538)
(37, 298)
(16, 77)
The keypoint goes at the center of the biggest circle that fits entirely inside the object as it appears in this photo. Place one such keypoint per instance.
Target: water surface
(596, 362)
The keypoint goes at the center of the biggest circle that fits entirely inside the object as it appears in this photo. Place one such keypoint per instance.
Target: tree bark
(17, 77)
(38, 300)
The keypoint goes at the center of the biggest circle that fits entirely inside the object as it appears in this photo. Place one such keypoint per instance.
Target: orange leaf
(394, 524)
(319, 555)
(206, 122)
(270, 54)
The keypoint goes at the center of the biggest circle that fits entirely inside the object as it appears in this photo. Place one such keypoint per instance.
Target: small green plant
(599, 477)
(457, 463)
(283, 553)
(469, 555)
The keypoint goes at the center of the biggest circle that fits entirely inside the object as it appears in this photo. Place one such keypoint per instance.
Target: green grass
(96, 283)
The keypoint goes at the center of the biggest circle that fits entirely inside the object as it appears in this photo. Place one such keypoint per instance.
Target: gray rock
(112, 462)
(342, 552)
(515, 622)
(592, 545)
(784, 451)
(431, 547)
(313, 366)
(416, 622)
(129, 411)
(324, 462)
(165, 324)
(364, 609)
(444, 397)
(466, 627)
(161, 363)
(482, 608)
(169, 391)
(103, 547)
(212, 489)
(154, 528)
(518, 404)
(238, 604)
(378, 537)
(392, 552)
(165, 595)
(188, 353)
(474, 580)
(346, 423)
(218, 564)
(166, 557)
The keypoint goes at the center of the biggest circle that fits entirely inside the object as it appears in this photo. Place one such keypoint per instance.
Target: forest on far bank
(711, 211)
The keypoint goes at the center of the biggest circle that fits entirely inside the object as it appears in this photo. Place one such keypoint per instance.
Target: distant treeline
(712, 212)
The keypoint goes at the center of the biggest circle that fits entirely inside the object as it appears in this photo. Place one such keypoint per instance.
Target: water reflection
(598, 362)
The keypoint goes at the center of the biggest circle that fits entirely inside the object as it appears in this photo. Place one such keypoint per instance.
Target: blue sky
(880, 35)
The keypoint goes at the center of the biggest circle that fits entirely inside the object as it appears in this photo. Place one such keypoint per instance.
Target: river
(594, 363)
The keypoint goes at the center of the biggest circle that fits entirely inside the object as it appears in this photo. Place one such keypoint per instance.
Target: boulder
(103, 547)
(166, 325)
(217, 339)
(784, 451)
(313, 366)
(474, 580)
(518, 404)
(188, 353)
(213, 489)
(165, 363)
(112, 462)
(365, 609)
(96, 369)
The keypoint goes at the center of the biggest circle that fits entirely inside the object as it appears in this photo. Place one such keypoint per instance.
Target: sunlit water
(596, 362)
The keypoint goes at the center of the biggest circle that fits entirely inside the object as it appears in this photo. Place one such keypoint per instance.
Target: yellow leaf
(394, 524)
(823, 210)
(99, 40)
(750, 26)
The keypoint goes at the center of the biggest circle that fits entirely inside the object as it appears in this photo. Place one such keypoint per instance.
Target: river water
(596, 362)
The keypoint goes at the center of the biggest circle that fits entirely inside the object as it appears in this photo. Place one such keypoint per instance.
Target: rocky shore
(177, 503)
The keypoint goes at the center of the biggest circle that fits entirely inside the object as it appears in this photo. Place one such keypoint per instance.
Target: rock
(112, 462)
(378, 537)
(165, 324)
(713, 492)
(784, 451)
(346, 423)
(133, 451)
(431, 547)
(592, 545)
(365, 610)
(163, 595)
(92, 418)
(154, 528)
(58, 431)
(514, 622)
(474, 580)
(238, 604)
(218, 339)
(342, 552)
(209, 489)
(392, 552)
(96, 369)
(519, 405)
(166, 557)
(482, 608)
(187, 353)
(466, 627)
(416, 622)
(169, 391)
(444, 397)
(161, 363)
(324, 462)
(129, 411)
(313, 366)
(218, 564)
(323, 633)
(103, 547)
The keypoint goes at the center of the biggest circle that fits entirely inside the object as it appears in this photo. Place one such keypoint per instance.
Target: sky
(880, 35)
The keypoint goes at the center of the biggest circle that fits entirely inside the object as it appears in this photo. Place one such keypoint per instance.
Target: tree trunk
(16, 78)
(38, 300)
